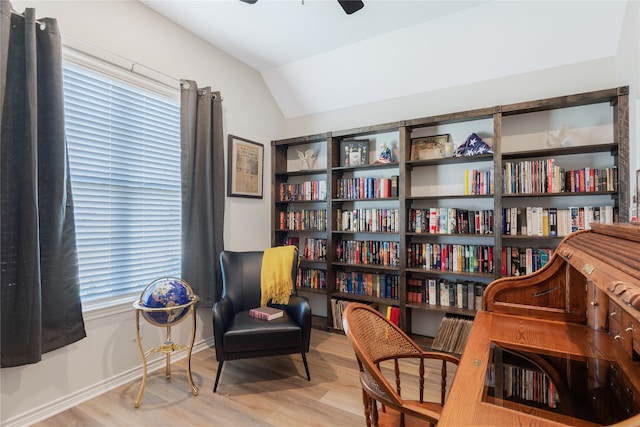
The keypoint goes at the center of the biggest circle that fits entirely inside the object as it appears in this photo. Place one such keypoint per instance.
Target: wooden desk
(465, 405)
(583, 306)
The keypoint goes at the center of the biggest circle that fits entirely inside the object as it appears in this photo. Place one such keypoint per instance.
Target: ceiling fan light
(351, 6)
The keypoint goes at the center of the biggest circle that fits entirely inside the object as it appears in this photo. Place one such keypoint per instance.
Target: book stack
(369, 284)
(450, 257)
(266, 313)
(305, 219)
(311, 278)
(337, 309)
(463, 294)
(450, 221)
(393, 314)
(452, 334)
(539, 221)
(518, 261)
(307, 190)
(384, 220)
(367, 188)
(544, 176)
(368, 252)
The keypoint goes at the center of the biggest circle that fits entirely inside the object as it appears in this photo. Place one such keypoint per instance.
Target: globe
(162, 294)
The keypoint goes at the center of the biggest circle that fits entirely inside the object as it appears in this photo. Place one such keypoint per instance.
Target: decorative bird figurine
(560, 140)
(307, 158)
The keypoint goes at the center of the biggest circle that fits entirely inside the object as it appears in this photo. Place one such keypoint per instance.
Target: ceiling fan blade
(351, 6)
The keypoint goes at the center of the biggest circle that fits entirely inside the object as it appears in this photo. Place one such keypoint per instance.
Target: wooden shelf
(562, 194)
(443, 309)
(561, 151)
(449, 196)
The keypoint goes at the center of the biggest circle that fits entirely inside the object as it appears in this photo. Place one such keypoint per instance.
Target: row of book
(337, 310)
(311, 278)
(375, 220)
(445, 293)
(539, 221)
(519, 382)
(307, 190)
(338, 307)
(517, 261)
(312, 249)
(368, 252)
(545, 176)
(450, 221)
(452, 334)
(368, 284)
(478, 183)
(526, 220)
(451, 257)
(305, 219)
(315, 249)
(367, 188)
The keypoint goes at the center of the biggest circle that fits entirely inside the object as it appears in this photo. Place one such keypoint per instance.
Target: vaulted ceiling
(314, 57)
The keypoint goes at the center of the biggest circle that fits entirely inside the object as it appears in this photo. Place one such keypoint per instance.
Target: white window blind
(124, 156)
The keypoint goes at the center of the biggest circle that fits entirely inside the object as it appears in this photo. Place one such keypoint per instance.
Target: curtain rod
(130, 61)
(130, 68)
(41, 23)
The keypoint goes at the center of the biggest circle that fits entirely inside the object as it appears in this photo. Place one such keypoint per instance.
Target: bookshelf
(370, 209)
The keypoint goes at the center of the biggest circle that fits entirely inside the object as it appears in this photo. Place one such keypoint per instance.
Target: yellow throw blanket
(275, 277)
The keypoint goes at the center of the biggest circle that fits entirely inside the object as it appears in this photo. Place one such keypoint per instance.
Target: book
(393, 314)
(266, 313)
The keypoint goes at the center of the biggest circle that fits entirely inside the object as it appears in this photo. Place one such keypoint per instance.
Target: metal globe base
(168, 346)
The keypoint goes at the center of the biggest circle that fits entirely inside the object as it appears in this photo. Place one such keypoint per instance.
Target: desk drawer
(620, 326)
(631, 326)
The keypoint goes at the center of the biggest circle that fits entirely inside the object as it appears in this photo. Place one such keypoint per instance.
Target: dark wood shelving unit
(403, 131)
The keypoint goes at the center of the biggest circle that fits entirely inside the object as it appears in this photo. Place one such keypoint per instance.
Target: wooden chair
(376, 340)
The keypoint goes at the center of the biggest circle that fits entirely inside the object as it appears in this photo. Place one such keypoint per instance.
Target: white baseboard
(60, 405)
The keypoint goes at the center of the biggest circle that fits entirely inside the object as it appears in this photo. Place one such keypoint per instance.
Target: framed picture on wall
(244, 168)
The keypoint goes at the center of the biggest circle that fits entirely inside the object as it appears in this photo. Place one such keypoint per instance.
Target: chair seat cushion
(248, 334)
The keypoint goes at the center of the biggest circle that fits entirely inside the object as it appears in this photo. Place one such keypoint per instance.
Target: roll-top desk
(560, 346)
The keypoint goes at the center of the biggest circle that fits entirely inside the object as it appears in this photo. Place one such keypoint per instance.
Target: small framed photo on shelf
(246, 160)
(429, 147)
(354, 152)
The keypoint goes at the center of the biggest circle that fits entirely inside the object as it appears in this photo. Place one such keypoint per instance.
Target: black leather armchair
(239, 336)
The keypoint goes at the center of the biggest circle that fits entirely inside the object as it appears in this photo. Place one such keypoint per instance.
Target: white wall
(628, 69)
(109, 354)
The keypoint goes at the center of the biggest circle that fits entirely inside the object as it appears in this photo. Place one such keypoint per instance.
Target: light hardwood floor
(270, 391)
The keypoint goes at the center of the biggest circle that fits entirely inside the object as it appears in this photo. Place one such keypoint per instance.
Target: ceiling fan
(349, 6)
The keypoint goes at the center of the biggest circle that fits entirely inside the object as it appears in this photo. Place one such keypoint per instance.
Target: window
(124, 156)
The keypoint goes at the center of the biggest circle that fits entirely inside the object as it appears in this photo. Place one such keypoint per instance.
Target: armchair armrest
(222, 316)
(300, 310)
(446, 357)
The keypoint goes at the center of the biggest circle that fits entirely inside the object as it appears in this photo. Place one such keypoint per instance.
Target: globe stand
(168, 346)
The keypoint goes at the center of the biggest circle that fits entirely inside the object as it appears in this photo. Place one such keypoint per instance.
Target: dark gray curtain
(41, 308)
(202, 190)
